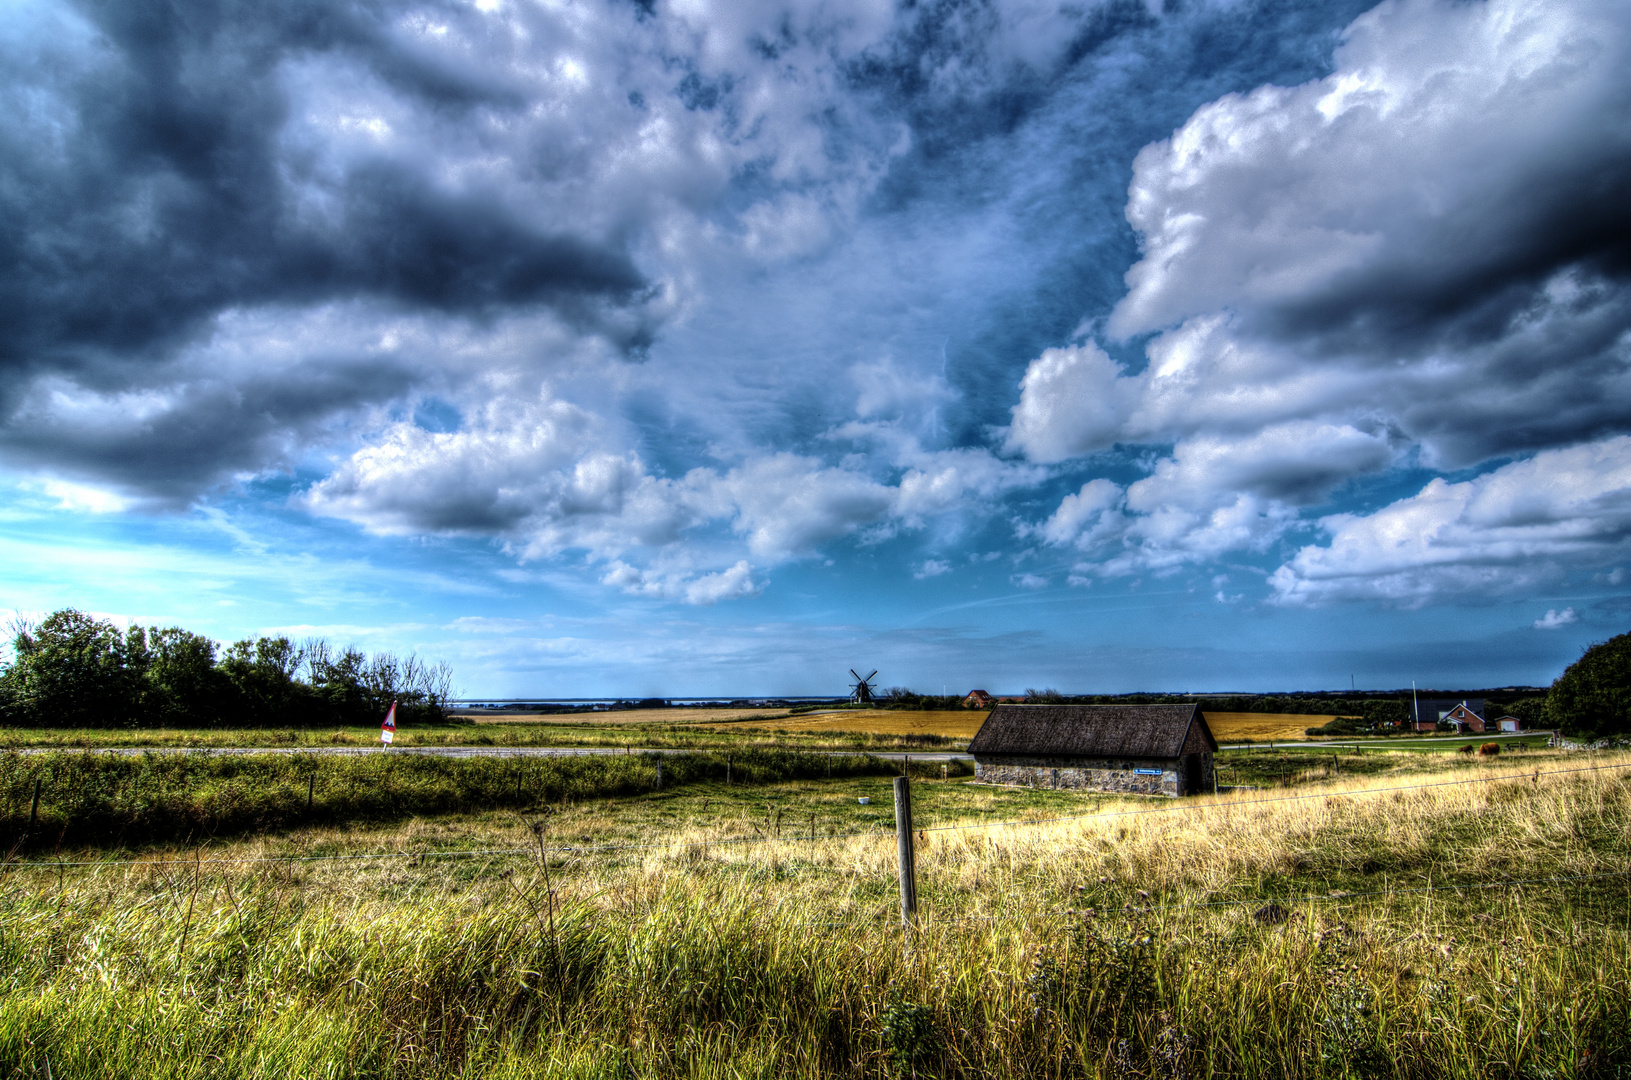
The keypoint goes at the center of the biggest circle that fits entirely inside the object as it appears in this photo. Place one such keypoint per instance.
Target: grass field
(542, 732)
(1385, 917)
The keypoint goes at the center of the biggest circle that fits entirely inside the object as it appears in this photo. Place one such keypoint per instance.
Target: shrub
(1343, 725)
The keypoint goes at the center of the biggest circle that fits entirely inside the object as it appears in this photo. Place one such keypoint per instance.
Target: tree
(262, 673)
(1593, 696)
(183, 687)
(72, 671)
(1531, 710)
(1382, 713)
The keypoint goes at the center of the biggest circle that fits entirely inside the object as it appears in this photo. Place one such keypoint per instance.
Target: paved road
(469, 751)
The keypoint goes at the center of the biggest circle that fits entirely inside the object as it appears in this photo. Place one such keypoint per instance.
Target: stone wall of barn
(1122, 776)
(1125, 776)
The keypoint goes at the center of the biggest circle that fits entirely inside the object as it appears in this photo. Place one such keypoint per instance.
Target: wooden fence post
(659, 772)
(727, 772)
(34, 807)
(904, 852)
(311, 786)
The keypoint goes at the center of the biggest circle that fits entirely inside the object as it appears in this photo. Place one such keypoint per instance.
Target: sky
(701, 347)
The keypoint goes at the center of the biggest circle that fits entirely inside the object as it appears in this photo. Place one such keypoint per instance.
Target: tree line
(73, 670)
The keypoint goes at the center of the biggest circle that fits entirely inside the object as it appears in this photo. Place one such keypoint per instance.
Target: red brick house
(1465, 719)
(977, 699)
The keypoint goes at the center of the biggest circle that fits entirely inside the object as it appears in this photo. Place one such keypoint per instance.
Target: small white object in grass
(864, 801)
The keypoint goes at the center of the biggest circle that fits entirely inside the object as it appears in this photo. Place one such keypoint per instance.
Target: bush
(1343, 725)
(1593, 696)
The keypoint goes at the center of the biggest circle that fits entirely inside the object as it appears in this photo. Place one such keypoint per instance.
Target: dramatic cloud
(1522, 524)
(672, 294)
(1426, 253)
(1419, 199)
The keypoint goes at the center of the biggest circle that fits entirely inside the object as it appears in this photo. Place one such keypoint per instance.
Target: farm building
(977, 699)
(1430, 711)
(1131, 749)
(1509, 724)
(1465, 719)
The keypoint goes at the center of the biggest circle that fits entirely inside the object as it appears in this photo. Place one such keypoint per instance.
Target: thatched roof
(1132, 731)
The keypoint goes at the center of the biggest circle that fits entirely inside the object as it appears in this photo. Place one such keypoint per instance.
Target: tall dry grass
(1063, 949)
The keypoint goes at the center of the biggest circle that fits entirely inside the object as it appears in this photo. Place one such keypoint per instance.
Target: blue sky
(701, 348)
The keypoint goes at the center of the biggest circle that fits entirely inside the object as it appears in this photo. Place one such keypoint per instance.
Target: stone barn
(1130, 749)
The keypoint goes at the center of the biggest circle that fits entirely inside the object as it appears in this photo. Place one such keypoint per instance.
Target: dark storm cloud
(1454, 194)
(173, 444)
(168, 198)
(1478, 276)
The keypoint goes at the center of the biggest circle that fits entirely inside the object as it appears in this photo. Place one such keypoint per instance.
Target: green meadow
(1399, 914)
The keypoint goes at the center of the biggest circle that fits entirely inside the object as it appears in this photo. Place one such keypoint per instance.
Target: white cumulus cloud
(1420, 255)
(1556, 620)
(1523, 523)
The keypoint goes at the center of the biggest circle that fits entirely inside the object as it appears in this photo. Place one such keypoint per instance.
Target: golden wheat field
(962, 724)
(1262, 726)
(954, 723)
(630, 716)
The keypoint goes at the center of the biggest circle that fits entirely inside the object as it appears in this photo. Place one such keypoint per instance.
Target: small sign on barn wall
(1146, 772)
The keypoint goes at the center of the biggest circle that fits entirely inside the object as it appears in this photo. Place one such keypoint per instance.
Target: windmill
(861, 689)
